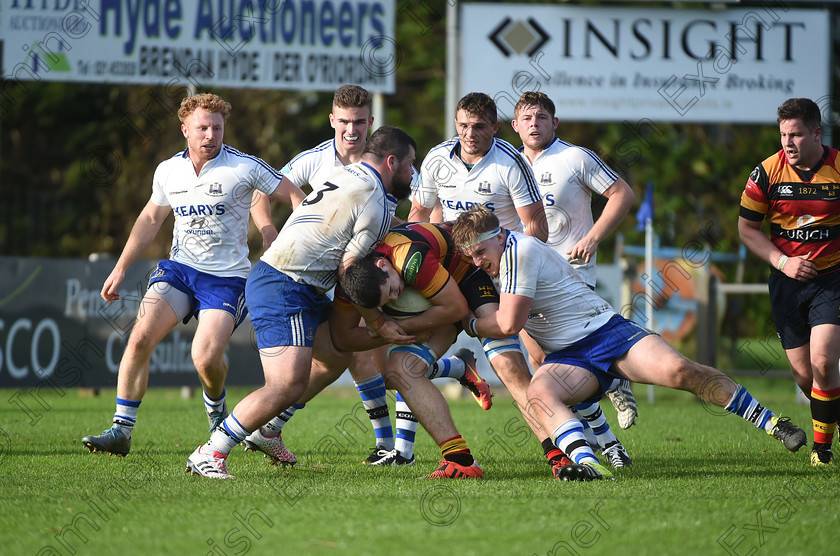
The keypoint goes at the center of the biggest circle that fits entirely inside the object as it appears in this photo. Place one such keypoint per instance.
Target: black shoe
(789, 434)
(821, 455)
(112, 441)
(378, 456)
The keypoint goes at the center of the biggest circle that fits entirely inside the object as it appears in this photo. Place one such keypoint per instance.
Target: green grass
(699, 480)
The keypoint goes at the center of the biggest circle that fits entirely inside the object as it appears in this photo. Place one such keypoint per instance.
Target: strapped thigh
(178, 300)
(420, 351)
(493, 347)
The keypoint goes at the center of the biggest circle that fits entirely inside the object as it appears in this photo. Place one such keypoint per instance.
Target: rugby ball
(410, 303)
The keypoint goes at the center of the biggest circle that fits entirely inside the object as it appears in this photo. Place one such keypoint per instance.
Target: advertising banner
(314, 45)
(56, 332)
(612, 63)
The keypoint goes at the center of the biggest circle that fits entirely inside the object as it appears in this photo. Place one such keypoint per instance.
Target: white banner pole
(649, 286)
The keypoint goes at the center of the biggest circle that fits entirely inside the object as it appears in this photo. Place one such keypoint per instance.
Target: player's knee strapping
(421, 351)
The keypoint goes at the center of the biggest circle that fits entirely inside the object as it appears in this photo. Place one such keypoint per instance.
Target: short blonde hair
(208, 101)
(471, 224)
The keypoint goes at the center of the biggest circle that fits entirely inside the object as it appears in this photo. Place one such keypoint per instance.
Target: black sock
(461, 458)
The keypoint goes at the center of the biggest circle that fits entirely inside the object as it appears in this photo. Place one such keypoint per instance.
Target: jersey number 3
(320, 194)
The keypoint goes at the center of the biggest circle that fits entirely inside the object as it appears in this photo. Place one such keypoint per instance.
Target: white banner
(272, 44)
(666, 64)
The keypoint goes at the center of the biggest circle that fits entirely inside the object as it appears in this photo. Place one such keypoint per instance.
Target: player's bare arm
(620, 198)
(261, 215)
(436, 216)
(798, 268)
(385, 327)
(346, 260)
(448, 306)
(397, 222)
(507, 321)
(377, 323)
(349, 335)
(286, 192)
(419, 213)
(144, 231)
(533, 217)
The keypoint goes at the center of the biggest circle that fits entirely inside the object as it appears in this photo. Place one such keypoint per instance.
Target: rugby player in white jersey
(476, 168)
(351, 119)
(588, 346)
(567, 176)
(339, 222)
(209, 187)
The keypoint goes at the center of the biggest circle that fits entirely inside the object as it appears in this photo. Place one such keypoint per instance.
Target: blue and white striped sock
(406, 428)
(372, 391)
(215, 405)
(231, 433)
(126, 415)
(275, 426)
(448, 367)
(569, 438)
(744, 405)
(587, 430)
(593, 415)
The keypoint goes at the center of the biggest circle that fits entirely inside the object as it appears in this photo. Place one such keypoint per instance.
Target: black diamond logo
(517, 37)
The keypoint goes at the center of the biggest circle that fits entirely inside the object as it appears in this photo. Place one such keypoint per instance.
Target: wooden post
(706, 316)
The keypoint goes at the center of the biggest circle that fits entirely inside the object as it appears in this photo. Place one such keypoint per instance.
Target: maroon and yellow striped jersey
(424, 256)
(802, 207)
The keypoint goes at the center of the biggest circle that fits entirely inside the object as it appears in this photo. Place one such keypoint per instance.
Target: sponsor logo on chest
(200, 210)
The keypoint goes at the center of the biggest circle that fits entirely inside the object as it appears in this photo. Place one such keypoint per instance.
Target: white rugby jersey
(567, 175)
(312, 167)
(565, 309)
(212, 209)
(502, 181)
(350, 212)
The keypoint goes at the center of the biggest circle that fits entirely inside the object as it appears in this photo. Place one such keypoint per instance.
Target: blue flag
(646, 209)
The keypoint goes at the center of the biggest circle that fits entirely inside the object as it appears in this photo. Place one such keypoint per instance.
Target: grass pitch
(701, 483)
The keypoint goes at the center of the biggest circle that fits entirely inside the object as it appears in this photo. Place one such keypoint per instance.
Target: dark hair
(352, 96)
(479, 105)
(389, 140)
(362, 281)
(803, 109)
(534, 98)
